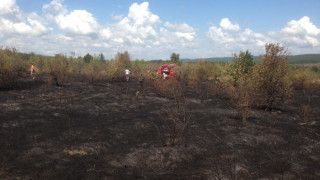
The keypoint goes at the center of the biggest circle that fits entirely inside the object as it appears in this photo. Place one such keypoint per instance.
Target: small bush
(201, 77)
(241, 65)
(202, 70)
(175, 121)
(242, 97)
(117, 66)
(95, 70)
(185, 71)
(168, 88)
(139, 67)
(11, 68)
(115, 70)
(124, 59)
(304, 78)
(175, 116)
(58, 69)
(271, 76)
(240, 89)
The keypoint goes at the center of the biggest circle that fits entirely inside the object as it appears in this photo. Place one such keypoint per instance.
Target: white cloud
(300, 33)
(118, 40)
(181, 31)
(141, 14)
(228, 39)
(8, 7)
(227, 25)
(55, 7)
(106, 33)
(13, 21)
(302, 26)
(19, 27)
(139, 26)
(216, 34)
(37, 24)
(78, 22)
(116, 17)
(297, 34)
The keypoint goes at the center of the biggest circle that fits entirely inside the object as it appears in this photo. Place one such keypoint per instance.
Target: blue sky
(154, 29)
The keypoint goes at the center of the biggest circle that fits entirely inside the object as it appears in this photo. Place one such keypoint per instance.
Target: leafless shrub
(310, 88)
(216, 87)
(142, 83)
(175, 121)
(201, 89)
(306, 111)
(224, 167)
(176, 117)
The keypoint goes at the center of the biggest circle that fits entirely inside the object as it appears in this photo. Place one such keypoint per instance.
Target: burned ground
(105, 131)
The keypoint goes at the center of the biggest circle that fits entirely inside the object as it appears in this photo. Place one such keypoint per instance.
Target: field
(107, 130)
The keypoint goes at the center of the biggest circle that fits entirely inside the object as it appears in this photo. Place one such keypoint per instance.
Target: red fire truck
(166, 70)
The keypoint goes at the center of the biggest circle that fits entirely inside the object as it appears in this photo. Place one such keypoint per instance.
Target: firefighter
(32, 71)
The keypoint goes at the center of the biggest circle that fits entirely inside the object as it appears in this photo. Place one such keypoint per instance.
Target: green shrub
(241, 65)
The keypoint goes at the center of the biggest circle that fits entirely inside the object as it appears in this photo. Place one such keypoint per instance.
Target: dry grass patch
(73, 152)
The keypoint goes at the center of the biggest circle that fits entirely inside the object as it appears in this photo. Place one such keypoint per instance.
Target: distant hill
(304, 59)
(295, 59)
(212, 59)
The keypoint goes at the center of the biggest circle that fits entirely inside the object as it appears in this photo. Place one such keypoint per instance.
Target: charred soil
(110, 130)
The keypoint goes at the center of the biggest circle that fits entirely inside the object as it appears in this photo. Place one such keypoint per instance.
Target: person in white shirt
(127, 73)
(164, 75)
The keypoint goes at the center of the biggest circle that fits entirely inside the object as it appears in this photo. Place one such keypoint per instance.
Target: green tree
(175, 58)
(87, 58)
(101, 57)
(241, 65)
